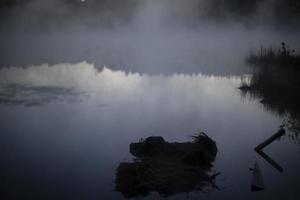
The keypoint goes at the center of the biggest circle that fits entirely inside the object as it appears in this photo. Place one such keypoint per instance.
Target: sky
(148, 36)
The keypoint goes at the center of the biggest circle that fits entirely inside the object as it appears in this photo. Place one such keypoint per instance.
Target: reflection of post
(257, 179)
(270, 160)
(270, 140)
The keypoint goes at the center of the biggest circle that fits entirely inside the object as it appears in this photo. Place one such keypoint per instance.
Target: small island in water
(276, 82)
(167, 168)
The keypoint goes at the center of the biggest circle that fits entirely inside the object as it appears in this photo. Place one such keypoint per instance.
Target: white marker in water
(82, 1)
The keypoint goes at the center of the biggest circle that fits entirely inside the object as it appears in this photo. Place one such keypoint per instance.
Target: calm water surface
(65, 129)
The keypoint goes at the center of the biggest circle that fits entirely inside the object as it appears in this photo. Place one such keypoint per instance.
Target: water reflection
(167, 168)
(73, 148)
(38, 85)
(17, 94)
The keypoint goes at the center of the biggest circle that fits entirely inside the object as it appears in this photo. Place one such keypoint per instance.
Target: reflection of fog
(34, 95)
(113, 87)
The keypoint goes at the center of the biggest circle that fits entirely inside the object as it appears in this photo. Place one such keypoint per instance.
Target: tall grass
(276, 57)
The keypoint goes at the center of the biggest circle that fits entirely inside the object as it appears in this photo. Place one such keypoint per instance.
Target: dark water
(66, 128)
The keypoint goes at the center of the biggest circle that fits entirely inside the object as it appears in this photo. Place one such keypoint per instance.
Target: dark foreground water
(66, 128)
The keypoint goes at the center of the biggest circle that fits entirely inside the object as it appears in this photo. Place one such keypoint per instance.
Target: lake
(65, 128)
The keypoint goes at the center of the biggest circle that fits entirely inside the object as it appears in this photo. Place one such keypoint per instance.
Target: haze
(139, 36)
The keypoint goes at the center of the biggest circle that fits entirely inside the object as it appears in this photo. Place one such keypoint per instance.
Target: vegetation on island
(276, 81)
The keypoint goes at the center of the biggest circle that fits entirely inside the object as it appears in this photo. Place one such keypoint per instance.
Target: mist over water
(155, 37)
(82, 80)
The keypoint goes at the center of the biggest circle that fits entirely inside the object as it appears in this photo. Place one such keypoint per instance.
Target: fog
(138, 36)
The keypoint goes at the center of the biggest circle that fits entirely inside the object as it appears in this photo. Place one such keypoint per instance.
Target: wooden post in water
(257, 179)
(268, 141)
